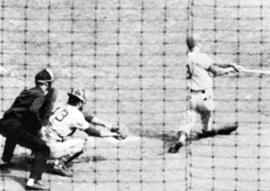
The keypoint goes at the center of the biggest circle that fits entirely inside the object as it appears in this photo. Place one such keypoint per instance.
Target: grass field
(129, 55)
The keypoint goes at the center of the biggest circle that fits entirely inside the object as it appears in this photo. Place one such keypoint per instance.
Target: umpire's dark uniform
(21, 125)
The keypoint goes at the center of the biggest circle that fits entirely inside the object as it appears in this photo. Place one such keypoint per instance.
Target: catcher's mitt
(121, 135)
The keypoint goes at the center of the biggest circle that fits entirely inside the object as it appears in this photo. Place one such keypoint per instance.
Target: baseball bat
(255, 71)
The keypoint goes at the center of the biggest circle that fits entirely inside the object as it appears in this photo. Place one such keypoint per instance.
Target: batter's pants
(201, 107)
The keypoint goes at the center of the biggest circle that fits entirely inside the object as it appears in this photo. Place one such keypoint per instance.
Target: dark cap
(44, 76)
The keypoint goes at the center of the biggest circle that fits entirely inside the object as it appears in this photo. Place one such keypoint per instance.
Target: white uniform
(200, 84)
(199, 78)
(64, 121)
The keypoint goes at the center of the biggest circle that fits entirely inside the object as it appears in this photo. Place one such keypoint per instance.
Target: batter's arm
(223, 64)
(219, 71)
(236, 67)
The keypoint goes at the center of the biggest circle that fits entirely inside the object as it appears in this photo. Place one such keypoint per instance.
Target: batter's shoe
(227, 130)
(175, 147)
(37, 186)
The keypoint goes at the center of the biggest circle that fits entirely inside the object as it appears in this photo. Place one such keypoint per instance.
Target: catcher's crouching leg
(64, 153)
(70, 158)
(76, 151)
(61, 165)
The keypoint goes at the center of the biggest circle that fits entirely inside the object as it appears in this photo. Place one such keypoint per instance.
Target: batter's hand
(236, 67)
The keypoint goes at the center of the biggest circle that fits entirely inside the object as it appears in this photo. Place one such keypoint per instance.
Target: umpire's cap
(193, 40)
(78, 93)
(44, 76)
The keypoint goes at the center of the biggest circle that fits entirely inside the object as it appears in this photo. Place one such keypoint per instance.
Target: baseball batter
(63, 123)
(200, 69)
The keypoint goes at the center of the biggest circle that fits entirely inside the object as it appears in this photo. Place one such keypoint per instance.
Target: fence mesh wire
(235, 30)
(130, 57)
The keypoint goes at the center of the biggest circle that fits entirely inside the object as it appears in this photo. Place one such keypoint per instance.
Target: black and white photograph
(135, 95)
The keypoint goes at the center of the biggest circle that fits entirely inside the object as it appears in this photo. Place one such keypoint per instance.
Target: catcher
(200, 69)
(63, 123)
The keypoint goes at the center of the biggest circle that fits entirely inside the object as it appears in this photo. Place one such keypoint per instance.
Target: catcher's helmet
(44, 76)
(78, 93)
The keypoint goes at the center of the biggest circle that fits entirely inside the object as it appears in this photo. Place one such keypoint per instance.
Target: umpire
(22, 122)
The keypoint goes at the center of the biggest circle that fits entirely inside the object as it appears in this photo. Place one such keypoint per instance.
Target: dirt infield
(144, 164)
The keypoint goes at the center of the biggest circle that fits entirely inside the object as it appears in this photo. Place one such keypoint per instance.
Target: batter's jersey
(63, 122)
(198, 76)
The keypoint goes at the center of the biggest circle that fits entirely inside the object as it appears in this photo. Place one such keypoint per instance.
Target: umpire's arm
(36, 105)
(48, 105)
(42, 106)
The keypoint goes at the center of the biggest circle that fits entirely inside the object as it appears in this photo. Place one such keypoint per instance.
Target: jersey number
(62, 115)
(189, 74)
